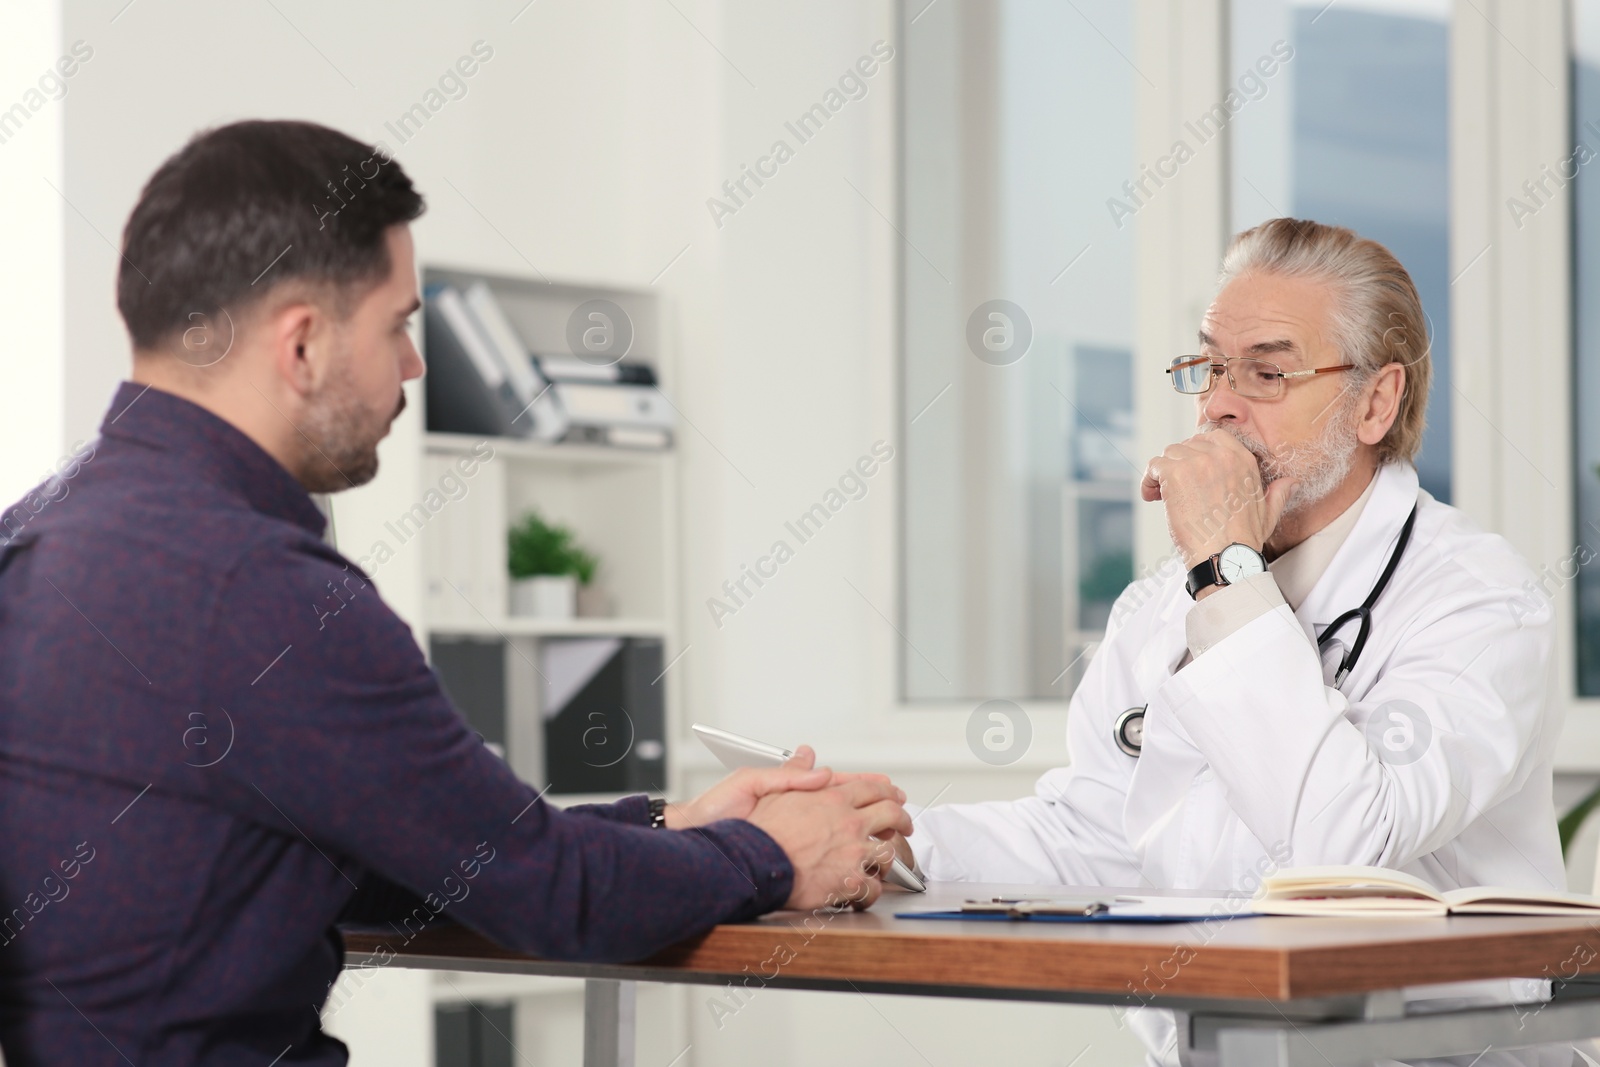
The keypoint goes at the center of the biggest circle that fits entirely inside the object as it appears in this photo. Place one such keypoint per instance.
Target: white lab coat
(1251, 760)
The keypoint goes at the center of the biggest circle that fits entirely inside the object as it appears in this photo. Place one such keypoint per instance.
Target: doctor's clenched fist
(830, 837)
(1211, 485)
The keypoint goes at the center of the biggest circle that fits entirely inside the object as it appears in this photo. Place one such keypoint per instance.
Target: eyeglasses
(1255, 379)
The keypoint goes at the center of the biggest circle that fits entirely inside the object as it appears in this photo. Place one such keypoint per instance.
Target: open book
(1372, 892)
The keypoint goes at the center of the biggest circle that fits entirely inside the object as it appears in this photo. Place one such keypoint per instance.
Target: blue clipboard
(1103, 917)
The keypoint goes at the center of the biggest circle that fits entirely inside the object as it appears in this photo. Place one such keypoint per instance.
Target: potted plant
(547, 566)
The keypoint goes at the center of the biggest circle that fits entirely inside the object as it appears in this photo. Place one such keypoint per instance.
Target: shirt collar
(212, 447)
(1298, 570)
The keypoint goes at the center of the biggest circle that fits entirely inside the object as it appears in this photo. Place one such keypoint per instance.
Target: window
(1578, 167)
(1351, 128)
(1020, 170)
(1018, 330)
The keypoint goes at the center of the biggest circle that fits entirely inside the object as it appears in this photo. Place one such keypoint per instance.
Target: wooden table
(1254, 991)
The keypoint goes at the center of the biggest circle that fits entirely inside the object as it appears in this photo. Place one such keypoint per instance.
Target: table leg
(608, 1023)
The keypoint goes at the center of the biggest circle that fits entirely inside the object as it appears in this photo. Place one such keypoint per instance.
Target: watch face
(1238, 562)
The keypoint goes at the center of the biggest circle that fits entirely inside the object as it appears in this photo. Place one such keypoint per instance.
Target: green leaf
(535, 547)
(1573, 820)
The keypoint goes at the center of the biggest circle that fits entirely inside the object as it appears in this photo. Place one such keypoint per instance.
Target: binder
(538, 408)
(468, 388)
(635, 437)
(632, 406)
(604, 716)
(482, 380)
(570, 369)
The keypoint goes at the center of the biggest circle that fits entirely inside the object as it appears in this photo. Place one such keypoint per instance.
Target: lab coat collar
(1355, 567)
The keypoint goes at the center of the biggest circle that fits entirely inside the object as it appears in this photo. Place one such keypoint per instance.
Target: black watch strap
(658, 813)
(1204, 575)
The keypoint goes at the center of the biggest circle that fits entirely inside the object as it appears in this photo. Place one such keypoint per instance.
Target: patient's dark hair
(245, 208)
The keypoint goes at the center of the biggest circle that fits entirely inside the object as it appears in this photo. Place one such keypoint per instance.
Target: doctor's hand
(736, 796)
(832, 838)
(1211, 485)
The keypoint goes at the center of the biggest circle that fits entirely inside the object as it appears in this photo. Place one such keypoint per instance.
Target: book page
(1346, 881)
(1503, 901)
(1363, 907)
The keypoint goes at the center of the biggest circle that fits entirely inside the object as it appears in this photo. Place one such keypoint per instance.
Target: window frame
(1511, 106)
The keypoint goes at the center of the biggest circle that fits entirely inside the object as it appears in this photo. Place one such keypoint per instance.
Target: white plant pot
(546, 596)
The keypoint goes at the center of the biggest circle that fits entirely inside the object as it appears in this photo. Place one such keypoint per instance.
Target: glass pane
(1191, 374)
(1586, 328)
(1352, 129)
(1100, 490)
(1256, 378)
(1018, 332)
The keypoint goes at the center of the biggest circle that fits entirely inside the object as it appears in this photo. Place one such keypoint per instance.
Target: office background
(1018, 151)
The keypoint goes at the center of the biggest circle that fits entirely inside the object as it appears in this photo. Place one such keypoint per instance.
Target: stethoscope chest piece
(1129, 731)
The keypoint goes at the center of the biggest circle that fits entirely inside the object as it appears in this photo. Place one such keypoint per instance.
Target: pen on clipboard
(1022, 907)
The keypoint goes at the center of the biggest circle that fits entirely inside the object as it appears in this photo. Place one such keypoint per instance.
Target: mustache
(1256, 448)
(1270, 461)
(398, 408)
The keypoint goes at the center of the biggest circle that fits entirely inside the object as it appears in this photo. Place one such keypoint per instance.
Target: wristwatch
(1233, 564)
(658, 813)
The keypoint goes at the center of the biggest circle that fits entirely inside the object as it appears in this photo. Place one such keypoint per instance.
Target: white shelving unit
(512, 626)
(620, 503)
(622, 507)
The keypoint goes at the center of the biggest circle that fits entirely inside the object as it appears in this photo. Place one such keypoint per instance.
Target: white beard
(1318, 466)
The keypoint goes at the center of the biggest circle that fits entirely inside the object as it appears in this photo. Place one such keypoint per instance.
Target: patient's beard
(1318, 466)
(342, 435)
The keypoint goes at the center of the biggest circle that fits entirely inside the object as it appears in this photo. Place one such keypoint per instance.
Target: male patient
(167, 902)
(1211, 739)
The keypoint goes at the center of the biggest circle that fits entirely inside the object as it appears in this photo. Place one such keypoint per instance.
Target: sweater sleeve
(347, 742)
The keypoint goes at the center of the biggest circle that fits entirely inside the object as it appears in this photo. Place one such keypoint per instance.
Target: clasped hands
(832, 825)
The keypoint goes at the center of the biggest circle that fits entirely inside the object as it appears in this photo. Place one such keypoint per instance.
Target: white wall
(31, 280)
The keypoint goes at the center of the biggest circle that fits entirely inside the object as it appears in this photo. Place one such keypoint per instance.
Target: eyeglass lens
(1252, 378)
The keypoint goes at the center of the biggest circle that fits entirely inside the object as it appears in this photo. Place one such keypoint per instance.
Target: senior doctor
(1255, 750)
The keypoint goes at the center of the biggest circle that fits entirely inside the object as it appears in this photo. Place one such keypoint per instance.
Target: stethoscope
(1128, 732)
